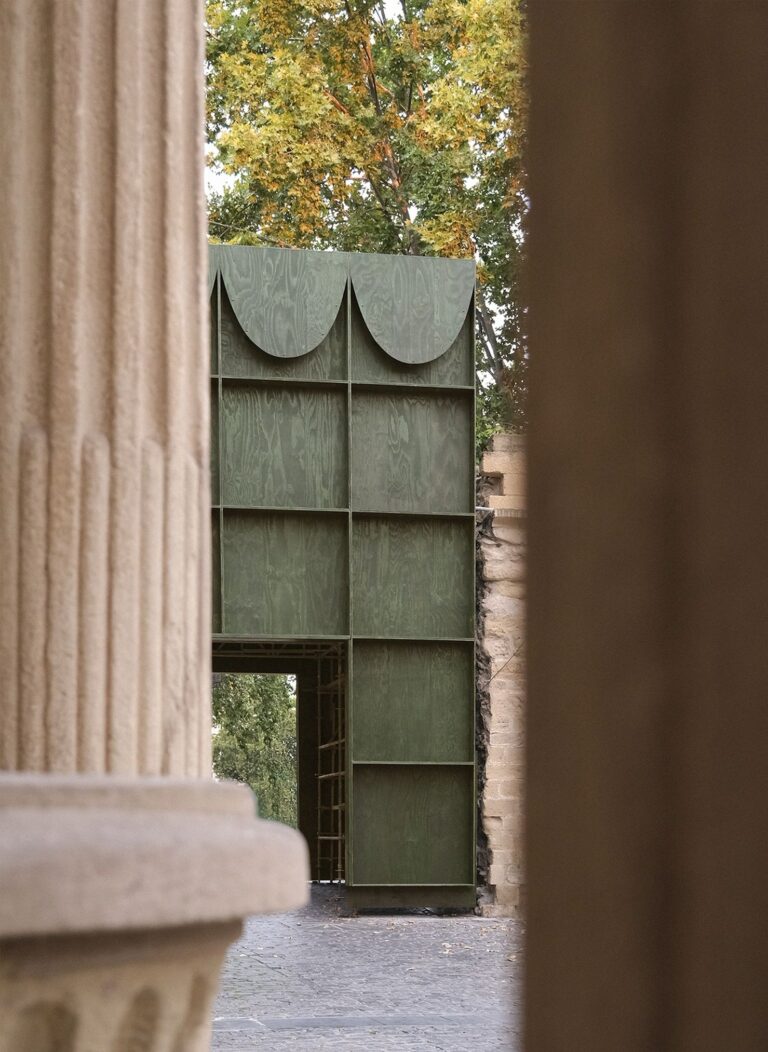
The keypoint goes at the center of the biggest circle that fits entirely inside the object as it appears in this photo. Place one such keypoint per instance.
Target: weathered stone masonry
(501, 672)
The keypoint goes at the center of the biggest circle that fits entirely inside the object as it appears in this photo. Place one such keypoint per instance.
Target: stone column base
(119, 899)
(148, 990)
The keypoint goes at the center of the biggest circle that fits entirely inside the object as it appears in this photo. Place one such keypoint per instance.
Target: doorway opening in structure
(318, 675)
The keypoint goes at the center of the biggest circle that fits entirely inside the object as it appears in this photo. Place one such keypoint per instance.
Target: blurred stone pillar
(646, 837)
(502, 540)
(104, 542)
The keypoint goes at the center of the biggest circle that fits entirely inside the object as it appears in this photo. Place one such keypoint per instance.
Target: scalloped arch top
(413, 306)
(286, 300)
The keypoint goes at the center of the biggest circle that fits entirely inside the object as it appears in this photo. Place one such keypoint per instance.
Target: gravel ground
(318, 979)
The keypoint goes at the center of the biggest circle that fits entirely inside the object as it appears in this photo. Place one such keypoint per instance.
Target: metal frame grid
(331, 769)
(336, 755)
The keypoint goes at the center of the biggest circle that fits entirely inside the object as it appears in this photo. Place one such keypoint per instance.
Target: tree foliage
(255, 740)
(370, 125)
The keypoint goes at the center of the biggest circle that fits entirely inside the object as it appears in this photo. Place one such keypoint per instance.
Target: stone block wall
(501, 686)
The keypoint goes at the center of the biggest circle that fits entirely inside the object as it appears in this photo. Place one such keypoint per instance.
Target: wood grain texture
(413, 306)
(286, 301)
(213, 331)
(411, 452)
(215, 573)
(283, 448)
(406, 897)
(215, 467)
(372, 365)
(285, 574)
(413, 702)
(214, 253)
(413, 825)
(412, 578)
(241, 357)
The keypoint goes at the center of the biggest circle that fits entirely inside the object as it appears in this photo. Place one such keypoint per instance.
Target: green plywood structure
(343, 530)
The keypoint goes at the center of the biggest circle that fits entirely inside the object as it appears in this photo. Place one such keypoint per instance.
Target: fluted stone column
(104, 620)
(125, 870)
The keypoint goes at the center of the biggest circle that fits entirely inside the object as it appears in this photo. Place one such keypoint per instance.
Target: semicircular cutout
(413, 306)
(285, 300)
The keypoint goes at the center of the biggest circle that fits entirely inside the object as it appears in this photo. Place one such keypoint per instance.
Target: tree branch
(485, 349)
(486, 322)
(395, 176)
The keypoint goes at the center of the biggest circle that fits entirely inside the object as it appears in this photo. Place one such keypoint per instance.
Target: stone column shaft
(119, 893)
(104, 525)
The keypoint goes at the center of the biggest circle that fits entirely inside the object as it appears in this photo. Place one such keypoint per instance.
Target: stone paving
(318, 980)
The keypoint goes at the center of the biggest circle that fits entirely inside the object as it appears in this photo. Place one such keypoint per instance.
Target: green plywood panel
(213, 319)
(371, 365)
(412, 452)
(413, 701)
(413, 897)
(216, 574)
(413, 825)
(284, 448)
(285, 301)
(241, 357)
(414, 307)
(215, 491)
(284, 444)
(413, 578)
(284, 574)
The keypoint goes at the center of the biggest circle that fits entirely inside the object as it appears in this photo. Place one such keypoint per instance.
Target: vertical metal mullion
(348, 673)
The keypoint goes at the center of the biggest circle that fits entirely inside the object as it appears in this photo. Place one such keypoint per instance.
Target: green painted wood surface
(288, 444)
(409, 452)
(284, 448)
(413, 825)
(215, 477)
(413, 702)
(285, 575)
(413, 578)
(241, 357)
(216, 574)
(285, 301)
(370, 364)
(213, 321)
(414, 307)
(214, 252)
(411, 897)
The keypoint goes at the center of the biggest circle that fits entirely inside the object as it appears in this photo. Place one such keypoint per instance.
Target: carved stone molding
(119, 900)
(123, 992)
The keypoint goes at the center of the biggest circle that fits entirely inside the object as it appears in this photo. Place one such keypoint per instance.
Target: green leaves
(350, 127)
(254, 742)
